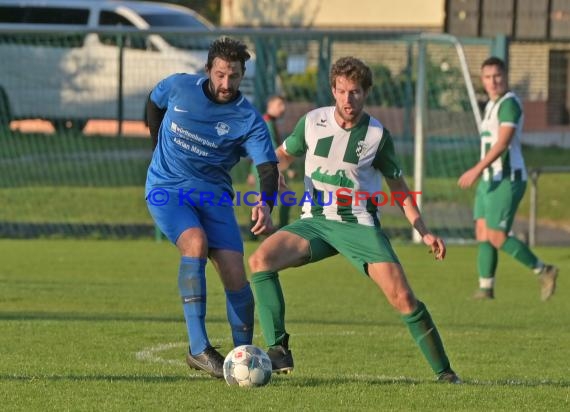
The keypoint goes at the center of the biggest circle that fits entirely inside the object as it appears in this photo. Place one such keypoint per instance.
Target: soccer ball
(247, 366)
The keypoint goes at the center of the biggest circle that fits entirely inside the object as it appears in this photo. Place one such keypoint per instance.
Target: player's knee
(259, 261)
(192, 242)
(404, 301)
(496, 243)
(255, 261)
(496, 238)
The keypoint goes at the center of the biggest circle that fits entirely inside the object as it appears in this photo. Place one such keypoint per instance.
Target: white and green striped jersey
(353, 160)
(507, 110)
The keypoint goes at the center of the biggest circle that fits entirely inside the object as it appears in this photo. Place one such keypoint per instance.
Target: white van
(69, 77)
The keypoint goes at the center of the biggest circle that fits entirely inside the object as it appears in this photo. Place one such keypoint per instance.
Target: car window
(132, 41)
(179, 20)
(44, 15)
(174, 20)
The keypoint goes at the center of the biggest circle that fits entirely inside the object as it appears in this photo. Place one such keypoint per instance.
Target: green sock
(270, 306)
(520, 252)
(427, 337)
(487, 258)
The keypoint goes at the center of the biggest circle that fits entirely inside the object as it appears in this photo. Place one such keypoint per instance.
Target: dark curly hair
(229, 50)
(353, 69)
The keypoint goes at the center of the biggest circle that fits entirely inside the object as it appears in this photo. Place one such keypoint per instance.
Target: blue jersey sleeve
(258, 145)
(161, 91)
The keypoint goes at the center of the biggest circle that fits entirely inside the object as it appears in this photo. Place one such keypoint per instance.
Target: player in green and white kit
(503, 184)
(346, 149)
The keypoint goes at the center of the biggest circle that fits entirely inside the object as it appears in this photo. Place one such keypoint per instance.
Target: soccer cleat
(449, 377)
(484, 294)
(281, 357)
(547, 279)
(210, 361)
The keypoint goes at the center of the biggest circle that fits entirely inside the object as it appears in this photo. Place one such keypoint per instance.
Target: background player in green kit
(345, 148)
(502, 185)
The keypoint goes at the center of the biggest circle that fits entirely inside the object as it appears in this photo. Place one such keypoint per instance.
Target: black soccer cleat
(449, 377)
(281, 357)
(210, 361)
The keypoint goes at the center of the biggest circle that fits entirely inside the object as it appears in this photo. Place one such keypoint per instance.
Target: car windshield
(179, 20)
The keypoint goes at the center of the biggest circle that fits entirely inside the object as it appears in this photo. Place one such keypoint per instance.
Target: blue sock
(240, 308)
(192, 287)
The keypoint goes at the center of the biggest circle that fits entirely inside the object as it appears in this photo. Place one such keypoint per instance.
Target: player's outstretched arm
(407, 203)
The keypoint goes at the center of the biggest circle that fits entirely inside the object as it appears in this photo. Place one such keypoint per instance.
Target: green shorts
(360, 244)
(497, 202)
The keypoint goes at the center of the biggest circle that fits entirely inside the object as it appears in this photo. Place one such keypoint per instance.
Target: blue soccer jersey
(200, 141)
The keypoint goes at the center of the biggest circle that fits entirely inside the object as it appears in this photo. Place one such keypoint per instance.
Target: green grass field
(97, 325)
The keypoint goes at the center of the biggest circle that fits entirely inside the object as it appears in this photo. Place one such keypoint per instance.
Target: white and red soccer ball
(247, 366)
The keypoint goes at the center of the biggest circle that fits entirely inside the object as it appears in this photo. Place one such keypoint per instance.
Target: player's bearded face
(350, 97)
(225, 78)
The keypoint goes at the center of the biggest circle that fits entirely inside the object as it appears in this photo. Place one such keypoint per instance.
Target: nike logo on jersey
(178, 109)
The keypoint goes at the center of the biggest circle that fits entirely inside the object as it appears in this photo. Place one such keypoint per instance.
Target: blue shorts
(218, 222)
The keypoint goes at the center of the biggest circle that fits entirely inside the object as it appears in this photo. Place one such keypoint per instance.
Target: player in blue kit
(201, 126)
